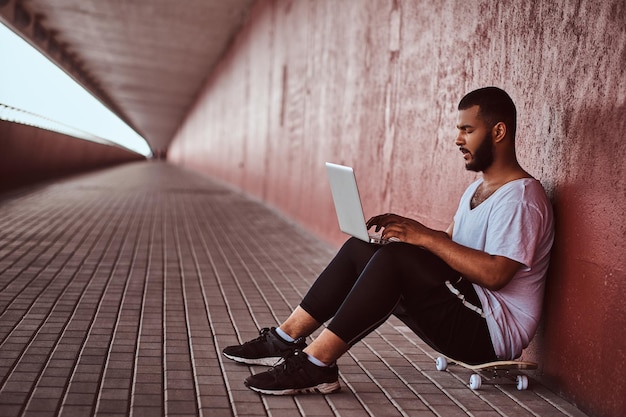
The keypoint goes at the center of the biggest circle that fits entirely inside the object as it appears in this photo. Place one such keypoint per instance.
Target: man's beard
(482, 158)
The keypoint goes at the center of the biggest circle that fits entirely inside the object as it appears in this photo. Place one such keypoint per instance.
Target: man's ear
(498, 131)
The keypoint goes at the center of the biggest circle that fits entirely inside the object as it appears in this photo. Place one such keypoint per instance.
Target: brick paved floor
(119, 289)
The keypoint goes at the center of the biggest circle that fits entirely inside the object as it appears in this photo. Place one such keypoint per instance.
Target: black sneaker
(268, 349)
(296, 375)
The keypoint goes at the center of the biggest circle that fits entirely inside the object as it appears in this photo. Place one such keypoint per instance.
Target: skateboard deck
(498, 372)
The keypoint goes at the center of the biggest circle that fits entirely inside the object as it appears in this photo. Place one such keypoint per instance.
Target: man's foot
(296, 375)
(268, 349)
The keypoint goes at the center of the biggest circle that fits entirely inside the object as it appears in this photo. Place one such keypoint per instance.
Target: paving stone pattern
(120, 288)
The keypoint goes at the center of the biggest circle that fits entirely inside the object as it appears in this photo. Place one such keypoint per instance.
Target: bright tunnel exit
(34, 91)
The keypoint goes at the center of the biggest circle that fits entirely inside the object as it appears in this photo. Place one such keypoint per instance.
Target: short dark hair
(495, 106)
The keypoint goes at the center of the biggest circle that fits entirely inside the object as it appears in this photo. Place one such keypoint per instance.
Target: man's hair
(495, 106)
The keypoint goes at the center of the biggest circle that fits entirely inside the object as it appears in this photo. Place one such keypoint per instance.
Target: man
(472, 292)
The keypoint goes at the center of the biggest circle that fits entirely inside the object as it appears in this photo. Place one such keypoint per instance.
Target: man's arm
(490, 271)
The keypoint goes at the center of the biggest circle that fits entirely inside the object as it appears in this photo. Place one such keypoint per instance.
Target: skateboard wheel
(475, 382)
(441, 363)
(522, 382)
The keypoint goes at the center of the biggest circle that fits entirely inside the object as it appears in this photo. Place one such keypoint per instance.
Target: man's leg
(299, 324)
(330, 289)
(449, 325)
(369, 302)
(333, 285)
(411, 282)
(320, 304)
(393, 270)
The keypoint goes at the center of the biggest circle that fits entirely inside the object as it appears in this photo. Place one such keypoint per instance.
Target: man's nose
(459, 139)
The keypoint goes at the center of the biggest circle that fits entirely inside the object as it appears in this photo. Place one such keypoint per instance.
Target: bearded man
(473, 292)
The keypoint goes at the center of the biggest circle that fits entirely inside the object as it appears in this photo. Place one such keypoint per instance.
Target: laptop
(348, 203)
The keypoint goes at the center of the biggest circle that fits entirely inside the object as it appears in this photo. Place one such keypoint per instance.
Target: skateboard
(492, 373)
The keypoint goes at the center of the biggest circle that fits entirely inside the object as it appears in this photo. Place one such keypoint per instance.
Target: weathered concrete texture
(29, 154)
(375, 84)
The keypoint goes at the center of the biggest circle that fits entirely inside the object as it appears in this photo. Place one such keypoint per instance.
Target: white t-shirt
(516, 222)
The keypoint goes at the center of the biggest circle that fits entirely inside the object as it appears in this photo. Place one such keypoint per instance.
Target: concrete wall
(374, 84)
(29, 155)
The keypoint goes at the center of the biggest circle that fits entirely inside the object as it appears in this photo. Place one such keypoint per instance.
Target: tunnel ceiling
(145, 59)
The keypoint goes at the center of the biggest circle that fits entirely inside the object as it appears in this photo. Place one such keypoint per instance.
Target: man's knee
(397, 251)
(410, 261)
(355, 244)
(357, 249)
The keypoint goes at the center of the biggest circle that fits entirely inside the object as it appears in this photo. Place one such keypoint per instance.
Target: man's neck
(499, 174)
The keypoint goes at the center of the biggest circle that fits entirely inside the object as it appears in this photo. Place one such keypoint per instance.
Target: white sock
(316, 361)
(284, 335)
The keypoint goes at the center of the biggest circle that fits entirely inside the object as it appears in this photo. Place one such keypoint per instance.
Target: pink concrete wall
(374, 84)
(29, 155)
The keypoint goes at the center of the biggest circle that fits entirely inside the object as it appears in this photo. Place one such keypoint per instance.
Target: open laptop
(348, 203)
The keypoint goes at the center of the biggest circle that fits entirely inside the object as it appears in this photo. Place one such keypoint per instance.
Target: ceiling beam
(16, 15)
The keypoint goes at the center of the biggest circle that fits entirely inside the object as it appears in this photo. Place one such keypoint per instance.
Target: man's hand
(400, 228)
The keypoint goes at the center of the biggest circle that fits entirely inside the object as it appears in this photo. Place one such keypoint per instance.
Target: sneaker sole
(325, 388)
(270, 361)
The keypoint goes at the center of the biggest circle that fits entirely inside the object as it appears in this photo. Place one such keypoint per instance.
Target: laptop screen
(347, 201)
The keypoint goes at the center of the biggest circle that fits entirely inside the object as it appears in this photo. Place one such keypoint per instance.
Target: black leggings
(364, 284)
